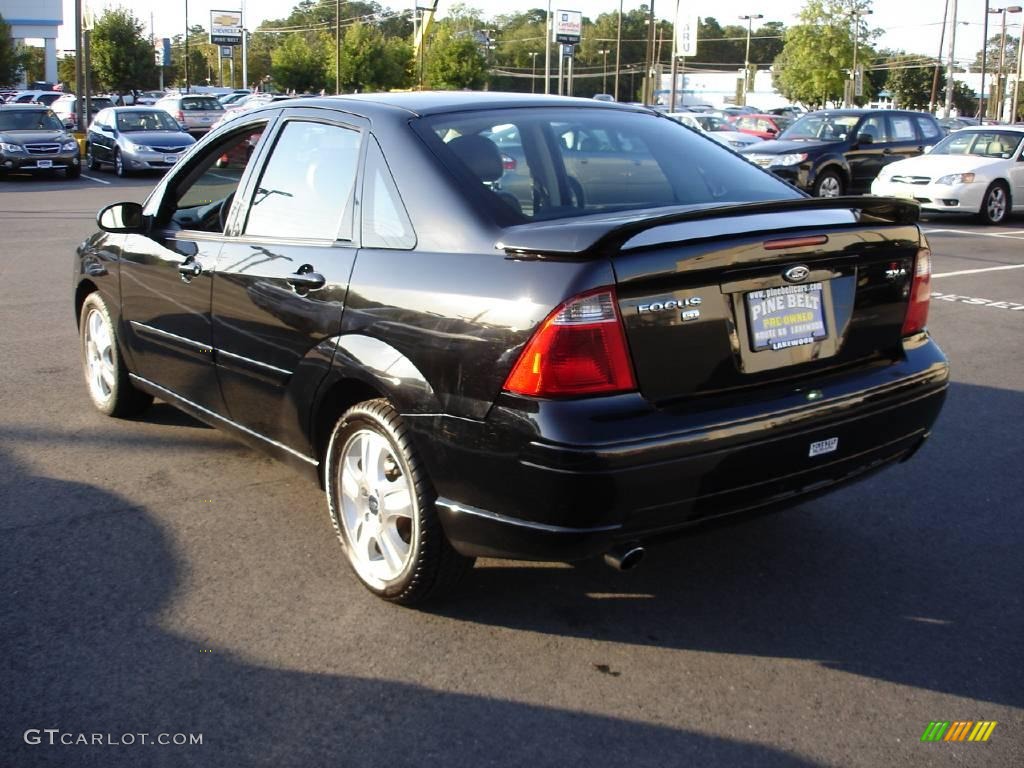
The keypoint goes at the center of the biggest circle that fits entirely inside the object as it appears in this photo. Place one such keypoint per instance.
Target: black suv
(649, 333)
(839, 151)
(32, 139)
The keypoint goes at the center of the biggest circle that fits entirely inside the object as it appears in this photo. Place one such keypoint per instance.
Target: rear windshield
(553, 163)
(193, 103)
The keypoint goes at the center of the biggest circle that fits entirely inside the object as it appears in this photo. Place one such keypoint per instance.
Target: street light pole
(618, 52)
(950, 63)
(749, 18)
(604, 73)
(1020, 67)
(533, 71)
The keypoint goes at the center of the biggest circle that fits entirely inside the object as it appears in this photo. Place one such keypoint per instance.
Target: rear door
(281, 285)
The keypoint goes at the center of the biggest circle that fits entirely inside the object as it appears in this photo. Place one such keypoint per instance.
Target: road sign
(226, 27)
(163, 53)
(858, 81)
(686, 35)
(567, 27)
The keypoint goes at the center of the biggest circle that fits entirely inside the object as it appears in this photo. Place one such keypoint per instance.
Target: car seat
(483, 158)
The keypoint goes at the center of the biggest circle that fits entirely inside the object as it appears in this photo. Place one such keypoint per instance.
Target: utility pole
(1001, 89)
(547, 53)
(749, 18)
(649, 74)
(950, 63)
(855, 15)
(245, 50)
(533, 70)
(1020, 67)
(984, 63)
(932, 104)
(186, 46)
(618, 52)
(80, 63)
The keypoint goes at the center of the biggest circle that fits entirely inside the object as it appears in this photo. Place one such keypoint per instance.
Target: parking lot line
(975, 271)
(93, 178)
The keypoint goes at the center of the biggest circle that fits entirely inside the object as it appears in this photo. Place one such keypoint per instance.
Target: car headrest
(480, 154)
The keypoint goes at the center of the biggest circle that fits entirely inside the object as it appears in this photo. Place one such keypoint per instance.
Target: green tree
(818, 52)
(12, 60)
(454, 61)
(122, 56)
(910, 80)
(34, 63)
(370, 61)
(297, 64)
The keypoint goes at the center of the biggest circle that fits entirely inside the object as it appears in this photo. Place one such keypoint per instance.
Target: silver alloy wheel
(995, 204)
(378, 508)
(99, 356)
(118, 163)
(829, 187)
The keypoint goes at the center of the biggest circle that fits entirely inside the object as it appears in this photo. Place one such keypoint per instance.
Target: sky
(911, 25)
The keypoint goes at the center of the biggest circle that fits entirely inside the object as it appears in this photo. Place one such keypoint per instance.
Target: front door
(867, 158)
(167, 274)
(283, 275)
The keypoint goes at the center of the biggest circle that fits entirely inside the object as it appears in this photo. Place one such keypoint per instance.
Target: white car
(976, 170)
(717, 128)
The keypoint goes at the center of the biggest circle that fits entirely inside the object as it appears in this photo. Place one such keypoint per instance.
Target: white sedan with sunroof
(978, 170)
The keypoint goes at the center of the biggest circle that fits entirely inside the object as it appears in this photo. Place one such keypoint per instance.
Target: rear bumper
(566, 480)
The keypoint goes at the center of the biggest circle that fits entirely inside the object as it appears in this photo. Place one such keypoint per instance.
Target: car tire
(995, 205)
(119, 167)
(90, 160)
(828, 184)
(106, 375)
(72, 171)
(381, 504)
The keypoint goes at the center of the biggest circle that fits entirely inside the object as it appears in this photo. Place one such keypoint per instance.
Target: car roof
(139, 108)
(424, 103)
(25, 107)
(858, 111)
(990, 128)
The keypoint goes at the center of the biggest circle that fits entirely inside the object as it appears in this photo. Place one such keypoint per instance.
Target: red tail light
(580, 349)
(180, 117)
(508, 162)
(920, 293)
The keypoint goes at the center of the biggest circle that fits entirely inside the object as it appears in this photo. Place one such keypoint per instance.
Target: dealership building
(36, 20)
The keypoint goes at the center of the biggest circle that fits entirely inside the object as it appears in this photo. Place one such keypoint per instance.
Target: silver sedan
(135, 139)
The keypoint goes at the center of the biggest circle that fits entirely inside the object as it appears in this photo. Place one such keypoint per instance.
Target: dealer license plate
(44, 163)
(787, 316)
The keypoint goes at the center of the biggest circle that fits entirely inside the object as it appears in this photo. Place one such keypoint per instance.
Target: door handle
(306, 279)
(886, 151)
(189, 268)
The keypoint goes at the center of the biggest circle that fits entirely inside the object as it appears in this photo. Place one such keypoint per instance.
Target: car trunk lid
(722, 299)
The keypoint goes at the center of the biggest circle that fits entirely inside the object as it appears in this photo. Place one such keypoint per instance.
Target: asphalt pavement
(160, 578)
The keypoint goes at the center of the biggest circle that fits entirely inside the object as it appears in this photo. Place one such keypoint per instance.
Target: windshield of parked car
(820, 127)
(150, 120)
(549, 163)
(29, 120)
(979, 143)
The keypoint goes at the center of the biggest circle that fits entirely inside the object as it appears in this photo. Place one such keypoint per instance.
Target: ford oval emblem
(796, 274)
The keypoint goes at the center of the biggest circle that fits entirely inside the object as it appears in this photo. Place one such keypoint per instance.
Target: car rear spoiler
(587, 237)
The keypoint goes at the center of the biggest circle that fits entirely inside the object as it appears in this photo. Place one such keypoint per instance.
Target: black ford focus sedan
(513, 326)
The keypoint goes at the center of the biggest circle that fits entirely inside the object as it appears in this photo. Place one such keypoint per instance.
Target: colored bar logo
(959, 730)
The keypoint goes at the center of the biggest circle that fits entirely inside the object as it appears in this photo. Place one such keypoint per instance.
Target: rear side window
(547, 163)
(902, 128)
(385, 221)
(306, 190)
(927, 127)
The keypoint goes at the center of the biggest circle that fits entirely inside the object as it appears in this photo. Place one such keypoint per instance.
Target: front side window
(875, 127)
(202, 197)
(306, 190)
(577, 161)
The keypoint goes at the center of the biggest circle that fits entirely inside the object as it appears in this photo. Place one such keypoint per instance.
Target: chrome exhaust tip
(625, 557)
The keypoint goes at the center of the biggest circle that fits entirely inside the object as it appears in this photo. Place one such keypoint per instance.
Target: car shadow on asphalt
(86, 576)
(913, 576)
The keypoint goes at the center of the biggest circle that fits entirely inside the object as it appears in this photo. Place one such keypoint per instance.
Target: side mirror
(772, 131)
(865, 138)
(121, 218)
